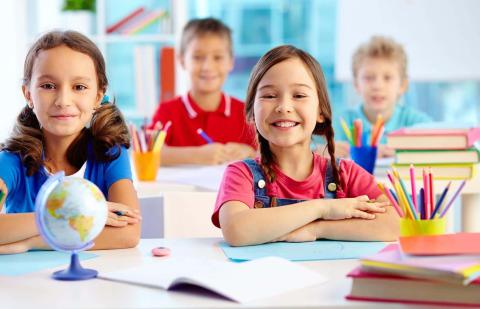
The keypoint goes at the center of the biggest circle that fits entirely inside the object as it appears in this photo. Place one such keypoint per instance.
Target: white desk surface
(39, 290)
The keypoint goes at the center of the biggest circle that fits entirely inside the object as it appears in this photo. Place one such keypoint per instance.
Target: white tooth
(285, 124)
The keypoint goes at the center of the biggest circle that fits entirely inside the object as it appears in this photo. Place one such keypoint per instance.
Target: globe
(70, 213)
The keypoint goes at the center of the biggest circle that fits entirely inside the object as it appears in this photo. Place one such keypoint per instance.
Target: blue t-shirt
(403, 116)
(23, 189)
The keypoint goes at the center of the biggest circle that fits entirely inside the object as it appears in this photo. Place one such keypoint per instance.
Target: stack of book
(451, 153)
(444, 273)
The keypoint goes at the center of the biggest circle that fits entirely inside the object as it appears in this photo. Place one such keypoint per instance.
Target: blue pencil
(421, 203)
(394, 195)
(439, 202)
(204, 135)
(409, 199)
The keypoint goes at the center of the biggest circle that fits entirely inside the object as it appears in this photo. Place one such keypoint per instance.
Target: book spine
(140, 94)
(125, 20)
(144, 23)
(472, 136)
(167, 73)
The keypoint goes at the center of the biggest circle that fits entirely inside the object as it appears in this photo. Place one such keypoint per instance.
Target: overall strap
(259, 182)
(330, 186)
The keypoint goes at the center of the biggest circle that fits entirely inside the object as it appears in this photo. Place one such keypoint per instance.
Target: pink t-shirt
(237, 184)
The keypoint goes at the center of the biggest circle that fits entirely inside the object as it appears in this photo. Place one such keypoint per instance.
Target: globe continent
(76, 213)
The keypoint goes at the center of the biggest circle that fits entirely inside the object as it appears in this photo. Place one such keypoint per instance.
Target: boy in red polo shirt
(206, 54)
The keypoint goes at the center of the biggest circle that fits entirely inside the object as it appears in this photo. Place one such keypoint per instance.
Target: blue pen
(204, 135)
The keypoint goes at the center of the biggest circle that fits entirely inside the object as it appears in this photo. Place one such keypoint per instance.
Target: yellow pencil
(346, 130)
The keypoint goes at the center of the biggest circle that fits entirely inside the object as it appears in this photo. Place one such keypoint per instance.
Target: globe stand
(75, 271)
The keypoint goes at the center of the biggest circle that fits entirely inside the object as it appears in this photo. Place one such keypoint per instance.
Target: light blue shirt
(403, 116)
(23, 189)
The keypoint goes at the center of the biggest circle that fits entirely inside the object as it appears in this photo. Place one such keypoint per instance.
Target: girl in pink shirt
(320, 198)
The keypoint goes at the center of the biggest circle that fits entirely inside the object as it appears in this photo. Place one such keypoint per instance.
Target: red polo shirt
(226, 124)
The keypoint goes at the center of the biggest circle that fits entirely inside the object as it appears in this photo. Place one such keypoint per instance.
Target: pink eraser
(160, 251)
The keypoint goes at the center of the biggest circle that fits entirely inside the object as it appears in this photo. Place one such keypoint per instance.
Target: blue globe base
(75, 271)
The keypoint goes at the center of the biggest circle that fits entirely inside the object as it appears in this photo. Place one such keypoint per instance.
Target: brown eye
(48, 86)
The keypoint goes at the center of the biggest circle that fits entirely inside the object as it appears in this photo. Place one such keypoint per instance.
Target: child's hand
(358, 207)
(238, 151)
(120, 215)
(212, 154)
(385, 152)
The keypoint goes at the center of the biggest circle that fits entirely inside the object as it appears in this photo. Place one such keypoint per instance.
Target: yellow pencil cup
(409, 227)
(146, 165)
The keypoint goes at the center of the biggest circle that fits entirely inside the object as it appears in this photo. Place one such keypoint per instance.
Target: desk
(38, 290)
(183, 195)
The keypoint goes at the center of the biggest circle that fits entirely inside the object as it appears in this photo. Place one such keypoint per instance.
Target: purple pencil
(453, 199)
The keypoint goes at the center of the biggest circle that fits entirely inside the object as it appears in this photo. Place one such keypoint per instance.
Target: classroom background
(442, 40)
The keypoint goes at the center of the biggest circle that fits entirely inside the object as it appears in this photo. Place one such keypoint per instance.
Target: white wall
(14, 41)
(441, 37)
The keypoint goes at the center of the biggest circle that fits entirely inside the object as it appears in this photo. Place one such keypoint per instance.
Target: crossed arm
(346, 219)
(18, 232)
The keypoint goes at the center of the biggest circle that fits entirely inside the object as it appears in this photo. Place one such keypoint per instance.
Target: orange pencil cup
(409, 227)
(146, 164)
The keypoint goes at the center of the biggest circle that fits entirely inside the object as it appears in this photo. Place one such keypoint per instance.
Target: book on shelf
(167, 73)
(146, 93)
(458, 171)
(470, 155)
(367, 286)
(123, 21)
(441, 138)
(456, 269)
(144, 20)
(240, 282)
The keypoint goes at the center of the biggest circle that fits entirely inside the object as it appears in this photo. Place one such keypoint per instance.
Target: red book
(396, 289)
(125, 20)
(441, 138)
(167, 73)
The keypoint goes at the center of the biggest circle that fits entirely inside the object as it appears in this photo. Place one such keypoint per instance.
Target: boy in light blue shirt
(380, 78)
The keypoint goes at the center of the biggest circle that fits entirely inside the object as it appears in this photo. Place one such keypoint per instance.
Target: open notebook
(241, 282)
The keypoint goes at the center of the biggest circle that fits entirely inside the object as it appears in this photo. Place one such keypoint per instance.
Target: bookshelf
(122, 51)
(133, 61)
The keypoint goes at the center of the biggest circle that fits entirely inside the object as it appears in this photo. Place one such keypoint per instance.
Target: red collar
(190, 106)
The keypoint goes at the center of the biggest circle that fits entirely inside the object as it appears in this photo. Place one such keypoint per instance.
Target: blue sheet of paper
(23, 263)
(304, 251)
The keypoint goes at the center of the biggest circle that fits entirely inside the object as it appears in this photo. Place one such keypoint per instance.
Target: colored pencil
(414, 190)
(421, 203)
(392, 200)
(347, 131)
(440, 200)
(454, 197)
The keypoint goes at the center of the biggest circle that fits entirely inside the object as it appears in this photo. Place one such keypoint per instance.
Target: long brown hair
(272, 57)
(107, 130)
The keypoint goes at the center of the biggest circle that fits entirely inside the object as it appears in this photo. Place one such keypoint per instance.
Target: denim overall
(262, 200)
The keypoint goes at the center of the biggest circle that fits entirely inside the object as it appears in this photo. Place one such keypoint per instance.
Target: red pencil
(432, 195)
(426, 188)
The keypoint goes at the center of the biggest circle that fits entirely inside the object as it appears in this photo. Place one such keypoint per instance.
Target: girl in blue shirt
(67, 125)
